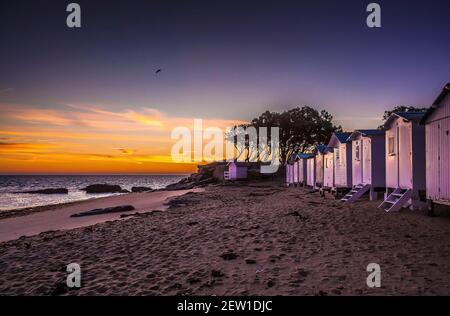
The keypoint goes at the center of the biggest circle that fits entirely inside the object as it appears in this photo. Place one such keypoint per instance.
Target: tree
(400, 108)
(300, 129)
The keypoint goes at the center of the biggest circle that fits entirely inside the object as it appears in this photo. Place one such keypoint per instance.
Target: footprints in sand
(224, 241)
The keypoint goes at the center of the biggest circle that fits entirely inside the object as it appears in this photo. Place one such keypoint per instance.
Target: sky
(88, 100)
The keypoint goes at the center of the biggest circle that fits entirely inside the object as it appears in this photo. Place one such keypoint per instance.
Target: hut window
(391, 145)
(338, 151)
(357, 155)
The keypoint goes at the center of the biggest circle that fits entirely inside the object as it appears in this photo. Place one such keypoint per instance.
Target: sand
(240, 240)
(58, 218)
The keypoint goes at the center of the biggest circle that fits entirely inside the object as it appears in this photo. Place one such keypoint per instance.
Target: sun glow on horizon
(76, 139)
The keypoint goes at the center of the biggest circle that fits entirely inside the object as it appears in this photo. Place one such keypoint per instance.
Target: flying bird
(158, 71)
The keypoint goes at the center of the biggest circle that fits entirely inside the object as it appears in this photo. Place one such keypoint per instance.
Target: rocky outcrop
(104, 188)
(115, 209)
(141, 189)
(48, 191)
(204, 177)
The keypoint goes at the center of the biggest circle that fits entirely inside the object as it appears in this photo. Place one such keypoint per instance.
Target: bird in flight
(158, 71)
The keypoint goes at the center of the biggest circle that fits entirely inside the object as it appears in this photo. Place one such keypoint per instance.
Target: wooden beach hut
(342, 149)
(328, 170)
(289, 173)
(302, 161)
(437, 143)
(311, 171)
(296, 169)
(236, 171)
(368, 164)
(405, 161)
(319, 155)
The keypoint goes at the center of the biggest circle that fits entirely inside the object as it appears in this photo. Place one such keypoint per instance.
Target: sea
(11, 184)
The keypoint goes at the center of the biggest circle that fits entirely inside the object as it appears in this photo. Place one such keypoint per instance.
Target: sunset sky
(88, 100)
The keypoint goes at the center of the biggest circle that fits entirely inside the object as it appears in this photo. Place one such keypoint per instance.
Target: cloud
(6, 90)
(125, 151)
(91, 138)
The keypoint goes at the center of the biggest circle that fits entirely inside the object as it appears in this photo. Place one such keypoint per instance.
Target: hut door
(405, 156)
(366, 161)
(444, 159)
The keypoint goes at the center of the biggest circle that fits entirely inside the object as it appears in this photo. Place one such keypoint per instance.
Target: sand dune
(247, 240)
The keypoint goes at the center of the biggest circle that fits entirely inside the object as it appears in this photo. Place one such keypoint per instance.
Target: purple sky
(226, 59)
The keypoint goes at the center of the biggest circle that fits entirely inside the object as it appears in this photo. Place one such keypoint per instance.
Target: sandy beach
(261, 239)
(54, 217)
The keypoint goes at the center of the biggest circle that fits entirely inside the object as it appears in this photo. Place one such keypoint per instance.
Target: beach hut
(290, 171)
(236, 171)
(328, 169)
(302, 160)
(295, 170)
(437, 142)
(311, 171)
(405, 161)
(320, 151)
(368, 164)
(342, 149)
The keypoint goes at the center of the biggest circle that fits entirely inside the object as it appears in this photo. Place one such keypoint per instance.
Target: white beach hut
(328, 169)
(342, 149)
(302, 160)
(236, 171)
(295, 171)
(311, 171)
(405, 161)
(368, 164)
(320, 152)
(437, 142)
(290, 171)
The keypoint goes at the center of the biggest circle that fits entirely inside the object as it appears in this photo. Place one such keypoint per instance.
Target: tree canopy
(401, 108)
(300, 128)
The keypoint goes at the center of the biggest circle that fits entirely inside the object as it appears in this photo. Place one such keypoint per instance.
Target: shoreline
(52, 207)
(40, 219)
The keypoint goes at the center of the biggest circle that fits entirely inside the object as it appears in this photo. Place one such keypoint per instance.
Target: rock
(116, 209)
(141, 189)
(102, 188)
(48, 191)
(180, 186)
(124, 191)
(129, 215)
(250, 261)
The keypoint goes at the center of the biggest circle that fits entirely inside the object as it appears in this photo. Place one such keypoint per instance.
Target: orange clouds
(90, 139)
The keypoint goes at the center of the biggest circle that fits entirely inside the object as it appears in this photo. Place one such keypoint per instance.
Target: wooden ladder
(356, 193)
(396, 200)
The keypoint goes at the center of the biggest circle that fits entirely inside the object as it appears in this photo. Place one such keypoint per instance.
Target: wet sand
(58, 217)
(240, 240)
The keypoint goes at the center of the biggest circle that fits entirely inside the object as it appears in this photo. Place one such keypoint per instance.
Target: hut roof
(366, 132)
(304, 156)
(321, 148)
(409, 116)
(436, 103)
(339, 137)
